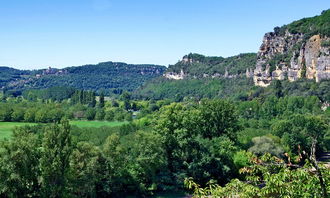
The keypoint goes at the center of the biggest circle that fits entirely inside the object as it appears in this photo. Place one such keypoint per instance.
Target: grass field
(96, 123)
(6, 128)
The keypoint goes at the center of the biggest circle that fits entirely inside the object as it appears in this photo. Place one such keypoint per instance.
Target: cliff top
(197, 64)
(308, 26)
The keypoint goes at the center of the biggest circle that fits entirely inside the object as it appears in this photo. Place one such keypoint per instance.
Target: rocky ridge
(300, 49)
(299, 58)
(289, 53)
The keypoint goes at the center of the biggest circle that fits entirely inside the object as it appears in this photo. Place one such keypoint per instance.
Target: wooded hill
(107, 75)
(197, 65)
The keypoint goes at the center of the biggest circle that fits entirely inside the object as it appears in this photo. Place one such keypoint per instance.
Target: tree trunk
(318, 171)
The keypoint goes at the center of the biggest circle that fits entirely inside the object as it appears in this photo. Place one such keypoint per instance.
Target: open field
(6, 128)
(96, 123)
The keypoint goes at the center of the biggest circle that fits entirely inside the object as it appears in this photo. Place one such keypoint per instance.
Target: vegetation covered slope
(233, 88)
(179, 90)
(310, 26)
(8, 74)
(205, 77)
(197, 65)
(265, 144)
(218, 77)
(107, 75)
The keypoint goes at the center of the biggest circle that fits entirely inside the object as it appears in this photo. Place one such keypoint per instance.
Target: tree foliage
(266, 177)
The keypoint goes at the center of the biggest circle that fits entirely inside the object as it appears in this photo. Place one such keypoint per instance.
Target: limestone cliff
(174, 76)
(292, 52)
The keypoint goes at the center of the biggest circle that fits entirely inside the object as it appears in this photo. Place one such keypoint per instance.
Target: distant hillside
(201, 76)
(241, 88)
(197, 66)
(299, 51)
(8, 74)
(107, 75)
(178, 90)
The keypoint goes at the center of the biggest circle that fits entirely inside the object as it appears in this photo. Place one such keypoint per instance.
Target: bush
(90, 114)
(100, 114)
(263, 145)
(109, 115)
(241, 159)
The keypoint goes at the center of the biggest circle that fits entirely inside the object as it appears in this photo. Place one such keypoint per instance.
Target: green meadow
(6, 128)
(97, 124)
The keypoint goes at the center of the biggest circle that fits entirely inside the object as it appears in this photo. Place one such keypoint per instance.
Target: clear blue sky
(59, 33)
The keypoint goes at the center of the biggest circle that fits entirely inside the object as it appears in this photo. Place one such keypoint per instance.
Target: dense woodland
(198, 65)
(52, 105)
(108, 75)
(236, 88)
(8, 74)
(168, 146)
(111, 76)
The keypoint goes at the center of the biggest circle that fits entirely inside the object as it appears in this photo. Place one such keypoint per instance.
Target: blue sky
(59, 33)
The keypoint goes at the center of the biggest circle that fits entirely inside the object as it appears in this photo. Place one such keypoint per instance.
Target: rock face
(182, 75)
(292, 56)
(174, 76)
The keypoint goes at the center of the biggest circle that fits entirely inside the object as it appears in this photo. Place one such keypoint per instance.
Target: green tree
(128, 116)
(55, 115)
(217, 117)
(101, 100)
(115, 159)
(173, 124)
(193, 145)
(144, 156)
(109, 115)
(29, 115)
(211, 159)
(269, 109)
(90, 114)
(278, 89)
(276, 178)
(18, 114)
(126, 97)
(85, 170)
(5, 113)
(54, 160)
(42, 115)
(301, 131)
(91, 99)
(19, 165)
(100, 114)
